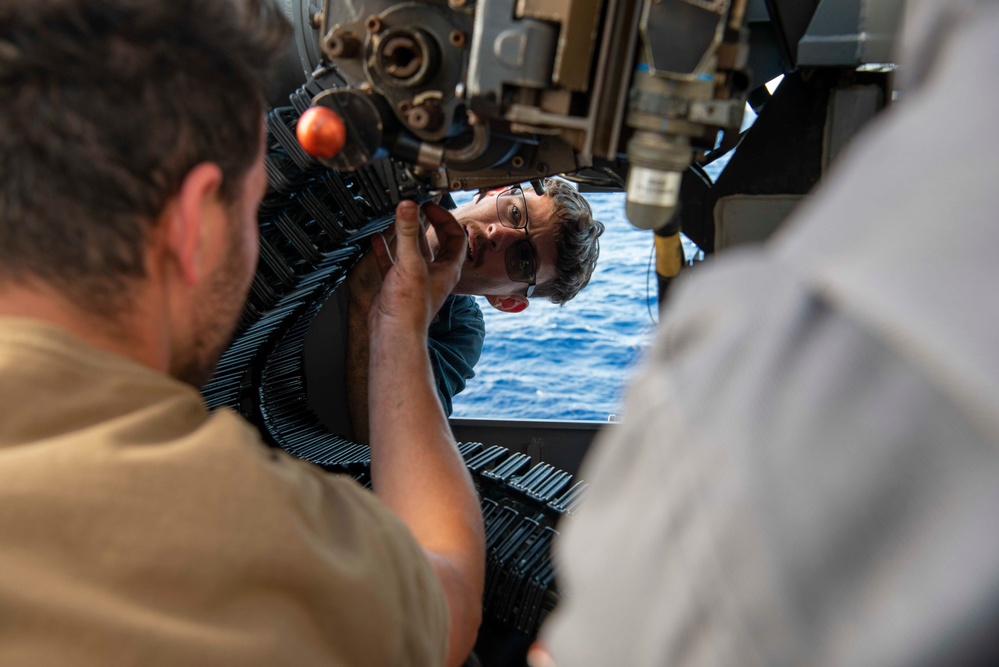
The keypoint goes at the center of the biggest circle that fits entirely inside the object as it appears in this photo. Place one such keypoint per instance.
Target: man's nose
(500, 236)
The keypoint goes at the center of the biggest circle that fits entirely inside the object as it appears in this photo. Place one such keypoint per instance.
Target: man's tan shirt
(137, 528)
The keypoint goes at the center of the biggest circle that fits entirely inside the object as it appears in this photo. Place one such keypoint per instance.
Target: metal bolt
(344, 45)
(374, 25)
(517, 162)
(316, 20)
(425, 117)
(456, 185)
(456, 4)
(457, 38)
(419, 119)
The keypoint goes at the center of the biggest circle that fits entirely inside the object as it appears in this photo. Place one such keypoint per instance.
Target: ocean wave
(571, 362)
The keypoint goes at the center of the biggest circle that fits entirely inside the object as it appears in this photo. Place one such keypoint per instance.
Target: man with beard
(136, 527)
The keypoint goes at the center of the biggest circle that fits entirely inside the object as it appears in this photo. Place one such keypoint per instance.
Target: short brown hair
(106, 107)
(576, 237)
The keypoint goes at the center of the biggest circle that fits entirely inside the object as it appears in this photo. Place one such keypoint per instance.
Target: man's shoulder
(460, 302)
(459, 319)
(218, 504)
(458, 306)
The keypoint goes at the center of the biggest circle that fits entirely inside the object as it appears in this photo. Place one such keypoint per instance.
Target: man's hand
(364, 283)
(365, 278)
(415, 467)
(416, 282)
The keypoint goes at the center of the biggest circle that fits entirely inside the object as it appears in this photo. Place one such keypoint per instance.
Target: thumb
(407, 229)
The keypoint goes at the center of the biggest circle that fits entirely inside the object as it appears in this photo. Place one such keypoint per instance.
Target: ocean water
(574, 361)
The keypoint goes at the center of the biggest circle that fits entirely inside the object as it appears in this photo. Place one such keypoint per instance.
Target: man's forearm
(417, 472)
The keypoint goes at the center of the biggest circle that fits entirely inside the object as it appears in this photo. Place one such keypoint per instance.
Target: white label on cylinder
(653, 187)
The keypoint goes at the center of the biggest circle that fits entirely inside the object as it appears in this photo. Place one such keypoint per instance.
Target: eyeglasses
(521, 260)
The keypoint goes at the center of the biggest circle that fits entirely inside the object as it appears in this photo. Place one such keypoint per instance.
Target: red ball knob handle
(321, 132)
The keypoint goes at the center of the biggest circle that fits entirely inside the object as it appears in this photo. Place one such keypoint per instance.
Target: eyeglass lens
(511, 208)
(521, 266)
(521, 262)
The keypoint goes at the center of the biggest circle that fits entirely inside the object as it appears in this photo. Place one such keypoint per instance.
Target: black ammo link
(314, 225)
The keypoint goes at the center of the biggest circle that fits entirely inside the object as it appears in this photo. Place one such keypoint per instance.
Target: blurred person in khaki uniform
(136, 527)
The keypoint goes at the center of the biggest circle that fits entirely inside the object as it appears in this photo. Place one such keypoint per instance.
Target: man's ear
(513, 303)
(187, 217)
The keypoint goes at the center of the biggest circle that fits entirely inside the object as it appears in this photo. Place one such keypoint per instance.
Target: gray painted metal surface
(851, 32)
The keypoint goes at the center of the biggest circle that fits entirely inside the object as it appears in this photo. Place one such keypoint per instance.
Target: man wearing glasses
(521, 245)
(527, 245)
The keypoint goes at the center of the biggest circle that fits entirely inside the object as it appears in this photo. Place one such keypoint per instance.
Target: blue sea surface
(573, 361)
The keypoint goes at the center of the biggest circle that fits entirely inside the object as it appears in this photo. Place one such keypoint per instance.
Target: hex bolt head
(425, 117)
(342, 45)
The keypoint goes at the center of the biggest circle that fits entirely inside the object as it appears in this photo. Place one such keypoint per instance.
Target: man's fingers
(407, 231)
(383, 255)
(450, 236)
(425, 249)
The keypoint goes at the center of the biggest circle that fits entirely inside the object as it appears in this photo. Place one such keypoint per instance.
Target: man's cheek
(252, 249)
